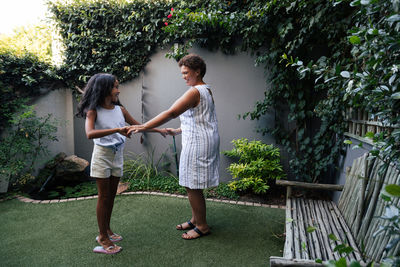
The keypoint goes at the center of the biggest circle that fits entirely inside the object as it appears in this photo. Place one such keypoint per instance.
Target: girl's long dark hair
(97, 89)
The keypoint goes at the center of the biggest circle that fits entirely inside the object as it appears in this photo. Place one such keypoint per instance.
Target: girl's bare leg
(102, 210)
(113, 191)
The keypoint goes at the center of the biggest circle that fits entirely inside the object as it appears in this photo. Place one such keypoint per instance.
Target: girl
(105, 124)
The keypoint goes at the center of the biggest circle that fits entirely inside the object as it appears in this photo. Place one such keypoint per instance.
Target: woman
(199, 160)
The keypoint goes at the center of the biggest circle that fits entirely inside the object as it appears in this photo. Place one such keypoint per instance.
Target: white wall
(236, 84)
(59, 103)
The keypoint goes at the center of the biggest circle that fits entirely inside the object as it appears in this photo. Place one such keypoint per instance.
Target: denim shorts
(106, 162)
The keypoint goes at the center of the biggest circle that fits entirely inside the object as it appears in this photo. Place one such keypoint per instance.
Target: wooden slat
(311, 237)
(347, 231)
(360, 208)
(296, 239)
(330, 228)
(348, 189)
(367, 226)
(333, 187)
(325, 231)
(378, 243)
(305, 252)
(336, 227)
(289, 246)
(319, 246)
(373, 191)
(281, 262)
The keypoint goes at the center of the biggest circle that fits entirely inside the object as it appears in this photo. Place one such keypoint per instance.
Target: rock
(56, 160)
(72, 168)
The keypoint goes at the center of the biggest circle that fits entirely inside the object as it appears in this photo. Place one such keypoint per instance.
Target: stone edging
(235, 202)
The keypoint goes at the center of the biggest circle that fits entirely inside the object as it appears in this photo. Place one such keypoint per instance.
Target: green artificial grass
(63, 234)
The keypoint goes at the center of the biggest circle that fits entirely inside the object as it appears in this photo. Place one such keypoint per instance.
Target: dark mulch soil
(275, 195)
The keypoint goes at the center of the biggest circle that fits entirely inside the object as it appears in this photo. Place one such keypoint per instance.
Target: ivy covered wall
(322, 56)
(119, 37)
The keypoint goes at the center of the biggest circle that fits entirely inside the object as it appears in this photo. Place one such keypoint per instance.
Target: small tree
(23, 143)
(258, 163)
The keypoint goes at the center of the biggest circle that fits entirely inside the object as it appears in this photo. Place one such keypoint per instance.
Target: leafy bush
(23, 143)
(21, 78)
(257, 164)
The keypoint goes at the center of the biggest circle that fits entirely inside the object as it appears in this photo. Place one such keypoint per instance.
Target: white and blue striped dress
(199, 160)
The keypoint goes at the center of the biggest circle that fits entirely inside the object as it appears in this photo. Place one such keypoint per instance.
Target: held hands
(140, 128)
(135, 129)
(172, 131)
(124, 131)
(162, 131)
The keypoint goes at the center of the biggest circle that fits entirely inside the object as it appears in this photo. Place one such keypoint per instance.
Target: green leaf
(386, 198)
(341, 262)
(355, 39)
(355, 3)
(369, 135)
(333, 237)
(311, 229)
(348, 142)
(355, 264)
(394, 18)
(345, 74)
(393, 189)
(395, 95)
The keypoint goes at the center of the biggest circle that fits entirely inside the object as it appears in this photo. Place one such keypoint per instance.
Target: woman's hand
(173, 132)
(162, 131)
(135, 129)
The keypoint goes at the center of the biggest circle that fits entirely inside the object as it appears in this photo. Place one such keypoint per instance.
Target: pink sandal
(108, 250)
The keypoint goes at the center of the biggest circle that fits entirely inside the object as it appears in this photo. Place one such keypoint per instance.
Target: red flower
(169, 16)
(166, 23)
(172, 9)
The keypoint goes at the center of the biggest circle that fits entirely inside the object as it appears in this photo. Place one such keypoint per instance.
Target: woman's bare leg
(198, 204)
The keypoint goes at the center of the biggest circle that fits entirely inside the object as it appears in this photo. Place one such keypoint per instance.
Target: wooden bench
(353, 221)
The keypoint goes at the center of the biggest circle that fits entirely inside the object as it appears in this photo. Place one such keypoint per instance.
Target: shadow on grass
(63, 234)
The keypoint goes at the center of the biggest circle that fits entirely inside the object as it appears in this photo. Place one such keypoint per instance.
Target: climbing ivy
(311, 50)
(277, 32)
(108, 36)
(321, 57)
(368, 79)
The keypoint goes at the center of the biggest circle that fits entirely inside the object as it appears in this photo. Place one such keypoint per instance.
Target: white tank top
(108, 119)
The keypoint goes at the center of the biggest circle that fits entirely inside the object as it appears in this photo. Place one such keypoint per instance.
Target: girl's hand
(173, 132)
(124, 131)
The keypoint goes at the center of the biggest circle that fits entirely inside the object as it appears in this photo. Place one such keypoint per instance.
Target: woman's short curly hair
(194, 62)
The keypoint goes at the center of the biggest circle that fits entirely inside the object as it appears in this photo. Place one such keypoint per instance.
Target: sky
(15, 13)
